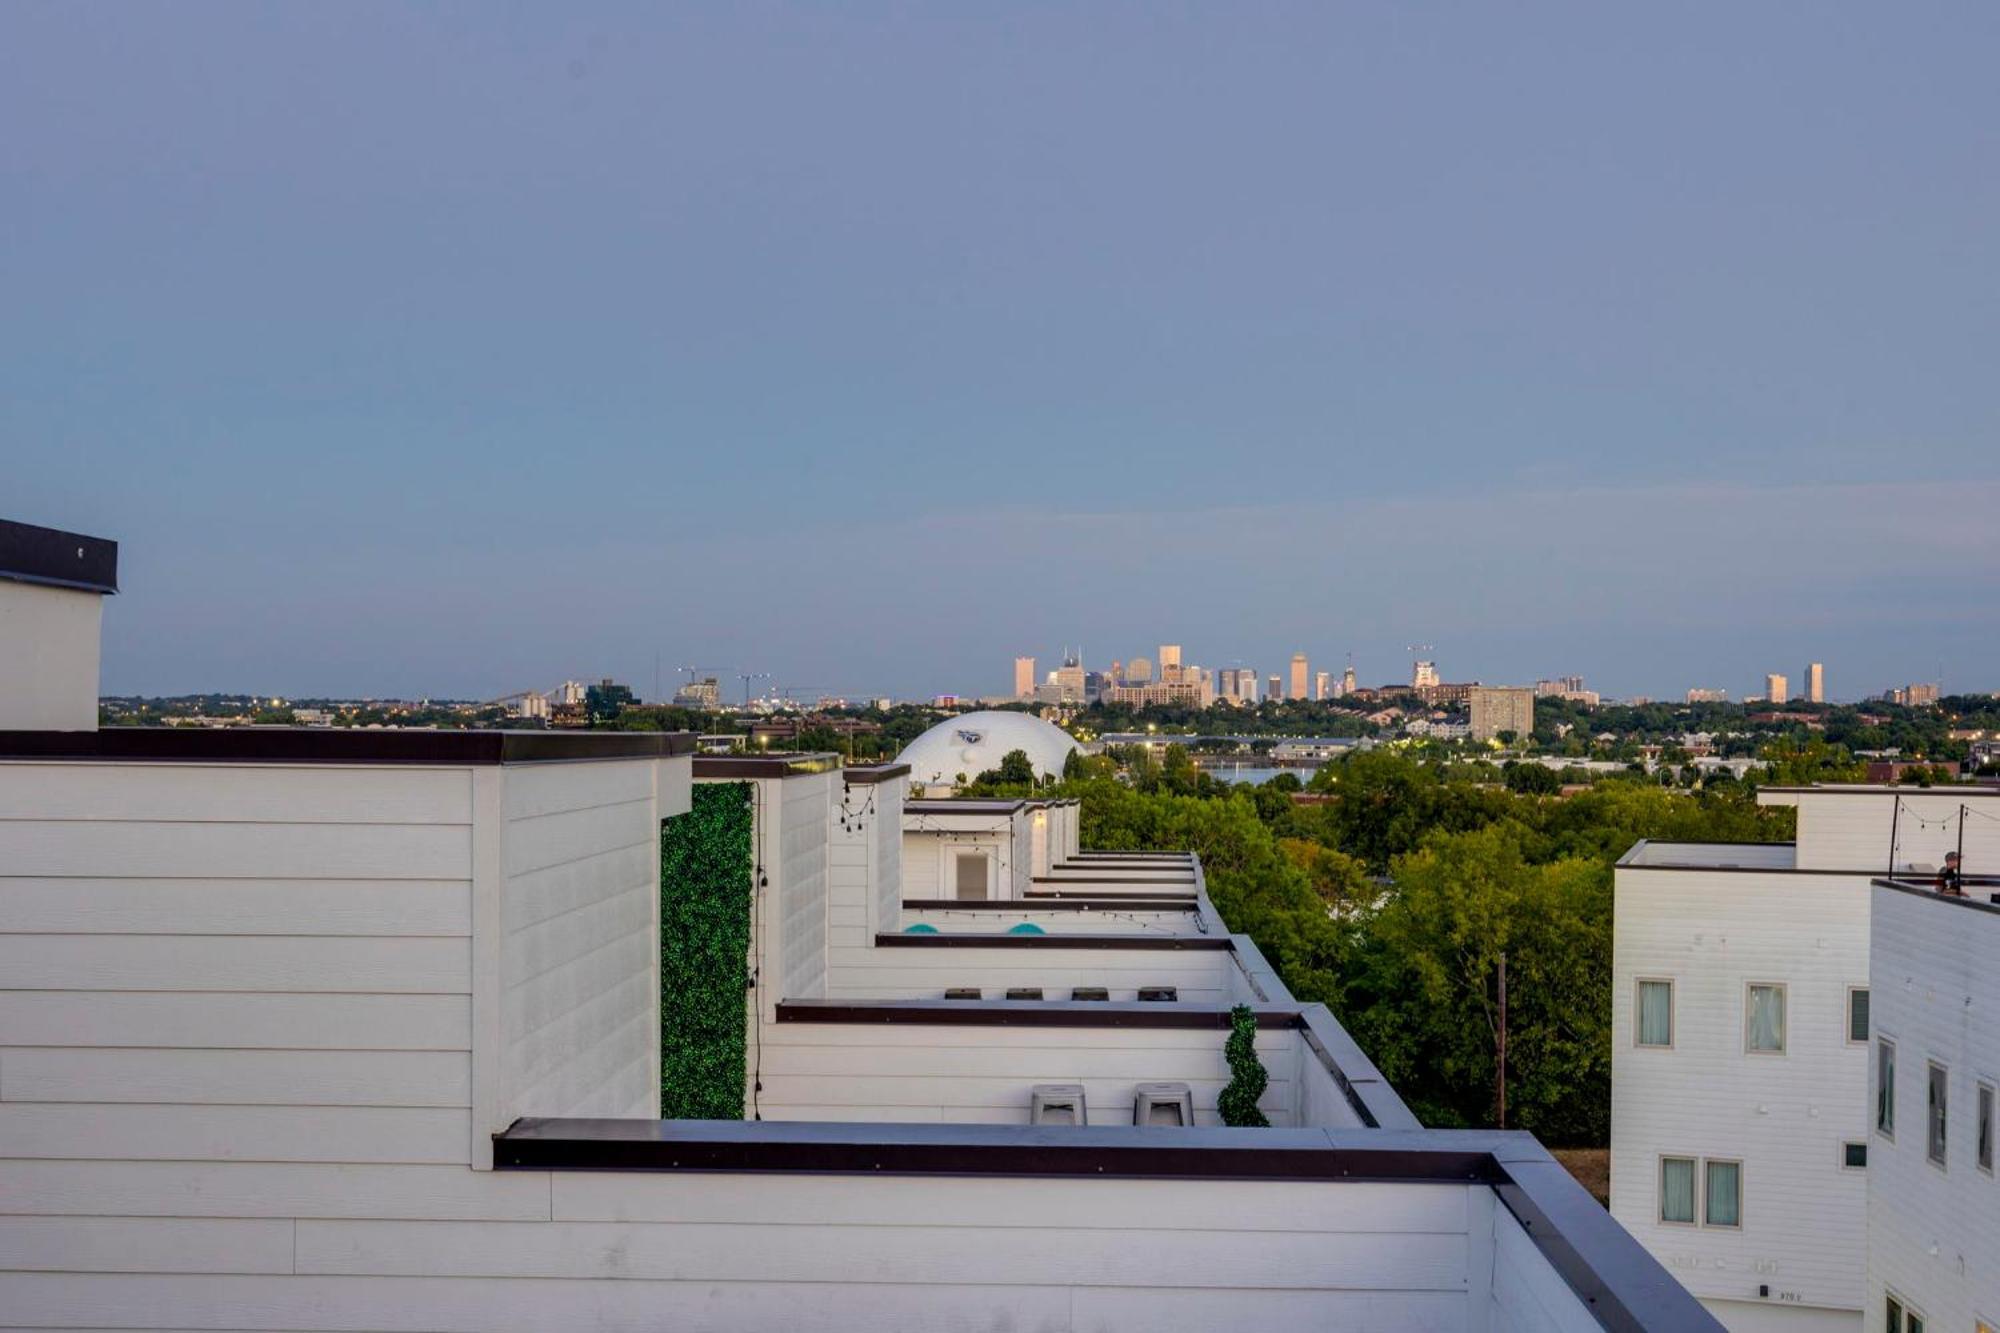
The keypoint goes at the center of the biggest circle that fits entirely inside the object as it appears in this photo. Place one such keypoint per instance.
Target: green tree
(1247, 1076)
(1017, 768)
(1432, 1015)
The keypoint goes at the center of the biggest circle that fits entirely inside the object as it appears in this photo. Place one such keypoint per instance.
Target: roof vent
(1024, 992)
(1168, 993)
(1089, 993)
(1057, 1104)
(1163, 1104)
(964, 993)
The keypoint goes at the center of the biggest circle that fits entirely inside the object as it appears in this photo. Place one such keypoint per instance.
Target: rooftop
(1649, 855)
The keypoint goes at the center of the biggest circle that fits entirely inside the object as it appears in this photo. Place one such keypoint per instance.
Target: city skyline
(682, 315)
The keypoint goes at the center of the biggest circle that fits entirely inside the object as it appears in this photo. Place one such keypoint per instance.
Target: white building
(960, 748)
(1933, 1199)
(324, 1030)
(52, 588)
(1741, 1017)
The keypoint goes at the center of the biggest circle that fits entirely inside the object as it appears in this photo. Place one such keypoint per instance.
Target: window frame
(1864, 1038)
(1784, 1017)
(1660, 1184)
(1983, 1129)
(1845, 1144)
(1706, 1163)
(1937, 1114)
(1639, 985)
(1885, 1088)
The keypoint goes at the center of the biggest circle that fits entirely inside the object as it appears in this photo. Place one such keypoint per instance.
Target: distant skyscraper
(1138, 671)
(1323, 685)
(1777, 688)
(1274, 688)
(1024, 677)
(1423, 674)
(1707, 696)
(1170, 657)
(1299, 675)
(1816, 683)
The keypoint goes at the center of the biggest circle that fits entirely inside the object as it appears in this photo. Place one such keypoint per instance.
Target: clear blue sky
(454, 351)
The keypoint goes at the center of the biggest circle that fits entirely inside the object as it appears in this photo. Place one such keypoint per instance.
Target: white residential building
(1741, 1014)
(1933, 1198)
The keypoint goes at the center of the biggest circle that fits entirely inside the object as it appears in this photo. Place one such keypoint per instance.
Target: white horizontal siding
(267, 1189)
(145, 1245)
(236, 963)
(248, 1078)
(249, 1019)
(1933, 1233)
(1712, 932)
(948, 1074)
(233, 1133)
(145, 906)
(233, 850)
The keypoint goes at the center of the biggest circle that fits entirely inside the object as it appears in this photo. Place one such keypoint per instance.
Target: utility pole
(1503, 1039)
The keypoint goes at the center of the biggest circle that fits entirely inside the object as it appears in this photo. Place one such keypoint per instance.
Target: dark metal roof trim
(1098, 904)
(1623, 1287)
(340, 745)
(57, 559)
(1030, 1013)
(722, 767)
(862, 775)
(943, 941)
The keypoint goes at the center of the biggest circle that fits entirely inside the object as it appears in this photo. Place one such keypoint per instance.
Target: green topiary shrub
(705, 899)
(1247, 1076)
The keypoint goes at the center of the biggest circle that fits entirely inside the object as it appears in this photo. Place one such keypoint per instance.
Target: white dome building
(971, 743)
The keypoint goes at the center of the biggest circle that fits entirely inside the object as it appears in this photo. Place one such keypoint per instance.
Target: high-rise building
(1024, 677)
(1703, 695)
(1138, 671)
(1299, 675)
(1170, 660)
(1323, 685)
(1498, 708)
(1777, 688)
(1815, 683)
(1069, 681)
(1274, 688)
(1347, 682)
(1423, 674)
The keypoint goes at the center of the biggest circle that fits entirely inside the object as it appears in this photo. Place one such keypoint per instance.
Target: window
(1854, 1156)
(1902, 1319)
(1723, 1206)
(1857, 1014)
(1654, 1025)
(1677, 1190)
(1938, 1088)
(1764, 1020)
(1983, 1151)
(1885, 1089)
(970, 875)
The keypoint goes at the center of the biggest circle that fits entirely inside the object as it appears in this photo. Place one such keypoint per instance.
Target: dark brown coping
(1031, 1013)
(979, 807)
(997, 941)
(764, 765)
(341, 745)
(57, 559)
(1884, 788)
(1187, 878)
(1973, 883)
(1133, 904)
(1623, 1287)
(863, 774)
(1057, 895)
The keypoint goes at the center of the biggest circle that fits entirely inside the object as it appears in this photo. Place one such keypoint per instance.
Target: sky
(459, 350)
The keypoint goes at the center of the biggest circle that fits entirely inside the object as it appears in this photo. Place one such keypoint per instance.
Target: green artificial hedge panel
(1248, 1078)
(705, 891)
